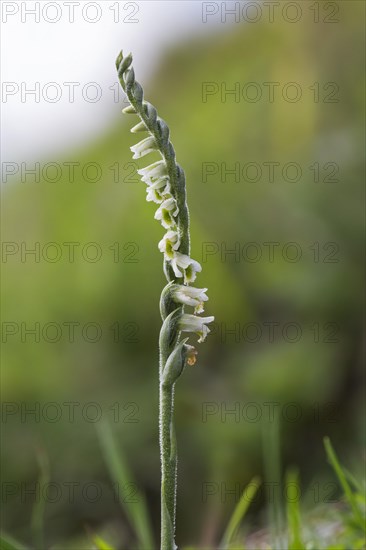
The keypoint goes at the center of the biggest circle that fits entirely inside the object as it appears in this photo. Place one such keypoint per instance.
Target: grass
(135, 509)
(241, 508)
(293, 512)
(336, 527)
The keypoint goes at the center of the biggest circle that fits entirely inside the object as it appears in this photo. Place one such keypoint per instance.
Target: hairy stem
(168, 467)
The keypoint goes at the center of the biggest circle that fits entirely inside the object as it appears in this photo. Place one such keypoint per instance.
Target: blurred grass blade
(101, 544)
(293, 511)
(353, 481)
(136, 511)
(349, 495)
(37, 521)
(239, 513)
(8, 543)
(271, 452)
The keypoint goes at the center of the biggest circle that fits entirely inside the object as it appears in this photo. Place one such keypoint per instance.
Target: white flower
(193, 323)
(183, 262)
(144, 147)
(190, 296)
(169, 244)
(166, 212)
(157, 190)
(153, 171)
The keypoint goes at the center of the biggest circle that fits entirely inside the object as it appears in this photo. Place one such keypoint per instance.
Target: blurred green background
(320, 373)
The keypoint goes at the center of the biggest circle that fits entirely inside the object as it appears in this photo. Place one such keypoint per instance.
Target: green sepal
(138, 92)
(119, 59)
(163, 130)
(151, 112)
(167, 304)
(174, 365)
(169, 332)
(129, 77)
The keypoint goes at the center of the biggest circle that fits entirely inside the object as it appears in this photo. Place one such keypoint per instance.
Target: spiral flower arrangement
(165, 186)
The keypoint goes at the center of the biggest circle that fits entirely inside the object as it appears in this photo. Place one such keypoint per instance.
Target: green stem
(168, 458)
(168, 467)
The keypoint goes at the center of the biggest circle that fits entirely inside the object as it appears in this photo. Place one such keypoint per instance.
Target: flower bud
(174, 365)
(129, 77)
(123, 64)
(119, 59)
(151, 112)
(163, 129)
(138, 92)
(167, 304)
(169, 332)
(140, 127)
(129, 110)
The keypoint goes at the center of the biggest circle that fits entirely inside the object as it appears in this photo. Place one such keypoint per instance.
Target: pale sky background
(80, 52)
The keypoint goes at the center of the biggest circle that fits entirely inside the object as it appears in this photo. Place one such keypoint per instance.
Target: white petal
(193, 323)
(147, 145)
(155, 170)
(169, 204)
(196, 292)
(169, 241)
(191, 296)
(153, 196)
(183, 260)
(159, 183)
(190, 273)
(176, 270)
(184, 299)
(164, 213)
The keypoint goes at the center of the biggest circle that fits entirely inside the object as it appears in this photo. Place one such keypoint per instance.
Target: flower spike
(165, 181)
